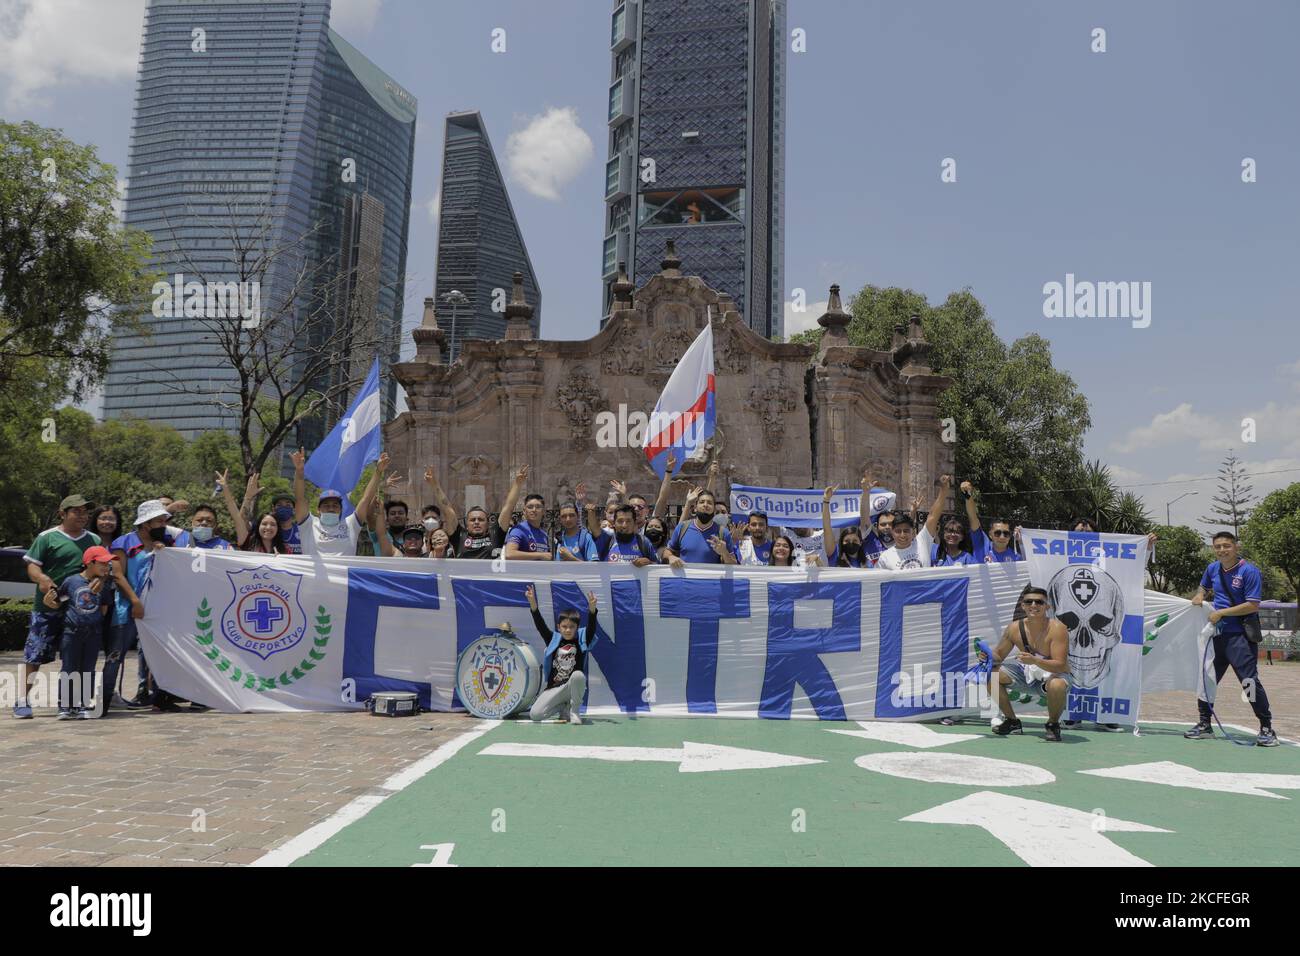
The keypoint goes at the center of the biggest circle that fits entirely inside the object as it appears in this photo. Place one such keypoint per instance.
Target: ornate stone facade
(788, 415)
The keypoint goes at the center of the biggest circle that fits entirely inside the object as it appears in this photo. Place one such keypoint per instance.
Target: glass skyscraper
(480, 246)
(256, 126)
(697, 147)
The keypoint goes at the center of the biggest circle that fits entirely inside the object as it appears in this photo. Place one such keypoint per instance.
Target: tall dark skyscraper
(480, 246)
(697, 147)
(254, 119)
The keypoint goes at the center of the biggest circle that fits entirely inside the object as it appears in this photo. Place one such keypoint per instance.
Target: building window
(619, 26)
(611, 175)
(611, 255)
(692, 207)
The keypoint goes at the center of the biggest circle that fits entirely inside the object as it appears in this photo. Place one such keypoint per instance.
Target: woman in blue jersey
(847, 551)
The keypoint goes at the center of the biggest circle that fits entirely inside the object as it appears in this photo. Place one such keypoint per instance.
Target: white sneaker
(997, 721)
(575, 717)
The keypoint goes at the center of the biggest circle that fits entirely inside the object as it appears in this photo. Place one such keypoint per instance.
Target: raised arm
(932, 519)
(372, 486)
(300, 509)
(251, 491)
(512, 496)
(450, 519)
(972, 513)
(661, 502)
(236, 514)
(713, 476)
(827, 545)
(381, 535)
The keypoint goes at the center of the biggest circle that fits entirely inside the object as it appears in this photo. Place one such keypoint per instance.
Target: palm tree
(1130, 515)
(1097, 496)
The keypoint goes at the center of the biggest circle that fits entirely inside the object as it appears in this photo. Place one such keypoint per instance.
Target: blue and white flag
(685, 416)
(802, 507)
(354, 442)
(1094, 586)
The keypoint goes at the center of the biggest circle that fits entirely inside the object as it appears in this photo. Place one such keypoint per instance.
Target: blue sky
(1115, 166)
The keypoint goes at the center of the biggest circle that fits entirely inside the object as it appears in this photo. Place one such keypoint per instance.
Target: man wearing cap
(136, 552)
(56, 554)
(332, 534)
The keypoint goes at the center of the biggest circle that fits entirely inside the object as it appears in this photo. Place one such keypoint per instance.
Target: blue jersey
(583, 548)
(614, 551)
(528, 538)
(858, 561)
(138, 562)
(82, 609)
(292, 539)
(1244, 584)
(187, 540)
(747, 552)
(984, 551)
(692, 545)
(873, 547)
(939, 559)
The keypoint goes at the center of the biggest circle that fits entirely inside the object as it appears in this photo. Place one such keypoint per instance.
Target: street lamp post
(455, 297)
(1169, 523)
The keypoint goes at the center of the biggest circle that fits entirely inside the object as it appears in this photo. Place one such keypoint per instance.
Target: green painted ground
(514, 810)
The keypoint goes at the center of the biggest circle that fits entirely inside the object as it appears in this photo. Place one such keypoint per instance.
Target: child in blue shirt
(85, 599)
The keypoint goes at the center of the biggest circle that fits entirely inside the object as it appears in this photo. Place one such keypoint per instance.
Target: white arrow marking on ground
(441, 854)
(1041, 834)
(962, 769)
(1176, 775)
(691, 757)
(910, 735)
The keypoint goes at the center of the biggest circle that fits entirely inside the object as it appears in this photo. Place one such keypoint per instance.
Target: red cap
(96, 553)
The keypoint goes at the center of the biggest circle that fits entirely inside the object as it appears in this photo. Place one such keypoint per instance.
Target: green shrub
(15, 616)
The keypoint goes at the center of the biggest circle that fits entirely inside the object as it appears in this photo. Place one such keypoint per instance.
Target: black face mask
(655, 535)
(157, 534)
(623, 538)
(852, 547)
(704, 517)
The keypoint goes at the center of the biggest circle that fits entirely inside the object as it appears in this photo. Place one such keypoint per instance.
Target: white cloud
(1180, 425)
(49, 43)
(350, 17)
(549, 152)
(434, 206)
(1125, 476)
(796, 322)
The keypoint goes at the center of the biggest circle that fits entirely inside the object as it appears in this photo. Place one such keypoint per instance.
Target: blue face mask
(202, 534)
(283, 514)
(329, 519)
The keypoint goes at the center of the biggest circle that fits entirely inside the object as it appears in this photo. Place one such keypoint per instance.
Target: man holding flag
(337, 464)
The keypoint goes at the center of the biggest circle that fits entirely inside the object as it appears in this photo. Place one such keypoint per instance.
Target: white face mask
(329, 519)
(432, 524)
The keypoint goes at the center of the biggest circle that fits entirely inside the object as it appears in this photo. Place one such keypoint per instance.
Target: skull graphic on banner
(1090, 603)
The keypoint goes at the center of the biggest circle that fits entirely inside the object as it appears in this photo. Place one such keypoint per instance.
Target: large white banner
(1094, 585)
(241, 632)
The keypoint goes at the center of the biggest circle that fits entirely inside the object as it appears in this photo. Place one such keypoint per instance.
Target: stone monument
(788, 415)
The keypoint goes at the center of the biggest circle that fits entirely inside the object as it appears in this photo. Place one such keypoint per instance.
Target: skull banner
(1094, 586)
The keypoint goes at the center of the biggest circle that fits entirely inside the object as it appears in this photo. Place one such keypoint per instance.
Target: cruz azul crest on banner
(265, 615)
(1095, 587)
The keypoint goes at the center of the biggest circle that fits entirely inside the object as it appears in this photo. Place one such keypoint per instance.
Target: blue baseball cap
(330, 493)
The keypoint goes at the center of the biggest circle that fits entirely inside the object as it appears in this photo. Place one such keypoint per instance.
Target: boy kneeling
(565, 658)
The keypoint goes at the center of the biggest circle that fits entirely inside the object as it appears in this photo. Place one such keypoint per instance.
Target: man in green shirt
(53, 556)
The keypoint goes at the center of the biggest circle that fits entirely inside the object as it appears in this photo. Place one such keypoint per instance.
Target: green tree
(66, 266)
(1231, 506)
(1130, 515)
(1272, 534)
(1095, 496)
(1180, 560)
(1019, 421)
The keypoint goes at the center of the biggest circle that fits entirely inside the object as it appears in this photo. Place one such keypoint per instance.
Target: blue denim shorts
(43, 637)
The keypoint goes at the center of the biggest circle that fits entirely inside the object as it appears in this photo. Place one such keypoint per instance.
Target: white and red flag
(685, 417)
